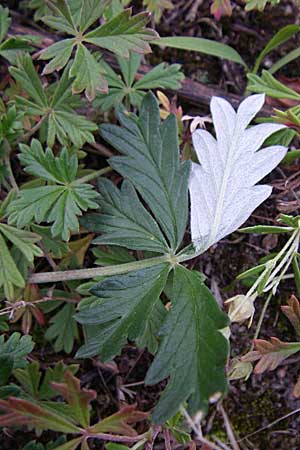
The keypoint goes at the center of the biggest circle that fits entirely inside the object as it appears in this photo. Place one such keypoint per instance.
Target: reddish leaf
(292, 312)
(76, 397)
(26, 412)
(270, 353)
(221, 8)
(120, 422)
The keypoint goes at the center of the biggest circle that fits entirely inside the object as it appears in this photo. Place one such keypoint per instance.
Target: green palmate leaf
(10, 47)
(202, 45)
(114, 8)
(123, 33)
(55, 108)
(13, 354)
(162, 76)
(40, 7)
(88, 74)
(9, 273)
(196, 367)
(157, 7)
(124, 220)
(151, 163)
(259, 4)
(5, 22)
(10, 126)
(59, 203)
(63, 329)
(25, 242)
(37, 386)
(120, 35)
(123, 311)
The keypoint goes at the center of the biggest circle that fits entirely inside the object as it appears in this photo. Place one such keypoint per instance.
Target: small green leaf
(5, 22)
(54, 105)
(201, 45)
(196, 367)
(120, 34)
(88, 74)
(54, 246)
(123, 33)
(25, 242)
(162, 76)
(16, 348)
(125, 305)
(266, 229)
(6, 368)
(61, 203)
(9, 274)
(259, 4)
(63, 329)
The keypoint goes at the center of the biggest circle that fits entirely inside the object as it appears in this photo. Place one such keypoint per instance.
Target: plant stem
(93, 175)
(11, 177)
(115, 437)
(34, 129)
(83, 274)
(261, 318)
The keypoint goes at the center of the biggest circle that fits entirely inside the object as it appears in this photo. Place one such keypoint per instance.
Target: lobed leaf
(196, 367)
(123, 310)
(60, 203)
(123, 220)
(151, 163)
(222, 187)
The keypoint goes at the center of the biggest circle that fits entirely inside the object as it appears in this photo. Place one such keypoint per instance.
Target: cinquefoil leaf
(151, 163)
(60, 203)
(123, 220)
(54, 106)
(222, 187)
(127, 302)
(193, 352)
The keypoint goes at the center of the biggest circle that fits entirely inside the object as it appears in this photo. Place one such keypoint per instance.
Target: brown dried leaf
(292, 312)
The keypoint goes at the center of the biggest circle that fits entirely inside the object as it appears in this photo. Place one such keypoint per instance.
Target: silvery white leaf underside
(222, 187)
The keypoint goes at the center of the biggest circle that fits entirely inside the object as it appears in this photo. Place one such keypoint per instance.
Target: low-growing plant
(148, 210)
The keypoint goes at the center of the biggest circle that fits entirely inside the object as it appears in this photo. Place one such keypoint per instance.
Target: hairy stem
(83, 274)
(93, 175)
